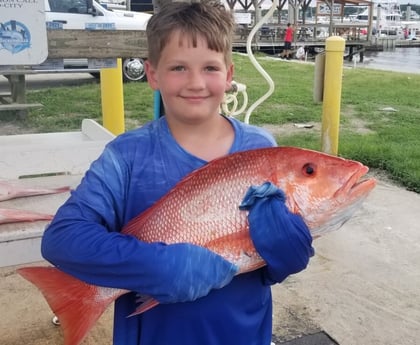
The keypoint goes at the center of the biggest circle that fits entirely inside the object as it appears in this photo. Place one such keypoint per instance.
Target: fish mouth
(358, 184)
(348, 199)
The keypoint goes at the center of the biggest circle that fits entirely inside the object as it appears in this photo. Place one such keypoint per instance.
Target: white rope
(254, 61)
(230, 102)
(231, 96)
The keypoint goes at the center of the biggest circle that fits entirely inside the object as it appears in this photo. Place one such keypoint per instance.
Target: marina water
(405, 60)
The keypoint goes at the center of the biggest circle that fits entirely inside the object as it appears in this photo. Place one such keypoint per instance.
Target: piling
(112, 99)
(334, 53)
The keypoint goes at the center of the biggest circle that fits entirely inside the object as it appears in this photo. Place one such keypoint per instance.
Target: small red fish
(204, 209)
(9, 190)
(10, 215)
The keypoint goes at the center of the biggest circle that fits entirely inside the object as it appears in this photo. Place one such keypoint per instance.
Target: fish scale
(205, 201)
(203, 209)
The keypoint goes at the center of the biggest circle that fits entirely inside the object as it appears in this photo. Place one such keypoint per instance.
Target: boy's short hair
(209, 19)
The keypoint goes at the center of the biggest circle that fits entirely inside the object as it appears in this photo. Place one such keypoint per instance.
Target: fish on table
(10, 215)
(11, 190)
(325, 190)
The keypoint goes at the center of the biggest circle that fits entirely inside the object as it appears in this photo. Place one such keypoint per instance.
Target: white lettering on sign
(54, 25)
(100, 26)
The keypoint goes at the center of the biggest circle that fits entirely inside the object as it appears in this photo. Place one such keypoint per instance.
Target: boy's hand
(190, 272)
(280, 237)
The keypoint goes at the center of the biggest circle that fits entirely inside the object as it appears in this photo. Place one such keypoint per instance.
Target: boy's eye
(212, 68)
(178, 68)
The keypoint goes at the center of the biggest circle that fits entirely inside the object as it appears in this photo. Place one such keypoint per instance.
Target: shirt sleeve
(84, 240)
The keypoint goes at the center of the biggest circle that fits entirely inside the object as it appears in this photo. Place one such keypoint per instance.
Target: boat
(388, 20)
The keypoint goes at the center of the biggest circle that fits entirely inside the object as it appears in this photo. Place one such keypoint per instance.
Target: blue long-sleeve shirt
(133, 172)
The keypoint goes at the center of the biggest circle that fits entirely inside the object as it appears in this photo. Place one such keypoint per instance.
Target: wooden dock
(311, 47)
(354, 44)
(358, 38)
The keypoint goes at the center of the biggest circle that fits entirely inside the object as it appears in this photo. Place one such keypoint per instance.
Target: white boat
(387, 20)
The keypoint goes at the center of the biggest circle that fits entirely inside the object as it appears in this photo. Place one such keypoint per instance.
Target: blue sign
(14, 36)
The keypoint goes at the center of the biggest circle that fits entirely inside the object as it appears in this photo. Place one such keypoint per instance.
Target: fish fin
(148, 303)
(252, 267)
(239, 249)
(77, 305)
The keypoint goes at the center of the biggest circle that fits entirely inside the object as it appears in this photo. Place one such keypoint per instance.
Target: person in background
(300, 53)
(406, 32)
(288, 39)
(202, 300)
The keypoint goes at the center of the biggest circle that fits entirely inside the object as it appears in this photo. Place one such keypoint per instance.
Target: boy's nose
(196, 79)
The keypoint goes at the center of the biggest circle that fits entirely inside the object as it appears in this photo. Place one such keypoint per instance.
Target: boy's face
(192, 81)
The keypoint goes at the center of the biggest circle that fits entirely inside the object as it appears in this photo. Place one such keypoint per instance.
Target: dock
(270, 40)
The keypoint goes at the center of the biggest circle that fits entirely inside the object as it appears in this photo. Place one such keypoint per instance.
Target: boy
(190, 63)
(288, 38)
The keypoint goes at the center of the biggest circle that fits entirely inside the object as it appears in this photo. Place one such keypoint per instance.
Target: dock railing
(311, 32)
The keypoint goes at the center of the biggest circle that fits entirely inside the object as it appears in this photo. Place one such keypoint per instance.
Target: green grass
(384, 140)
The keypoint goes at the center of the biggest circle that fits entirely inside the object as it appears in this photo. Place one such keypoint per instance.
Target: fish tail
(76, 304)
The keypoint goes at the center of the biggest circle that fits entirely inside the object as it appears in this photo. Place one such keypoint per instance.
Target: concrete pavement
(363, 285)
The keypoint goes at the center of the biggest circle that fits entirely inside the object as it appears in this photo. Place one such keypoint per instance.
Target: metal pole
(334, 49)
(113, 98)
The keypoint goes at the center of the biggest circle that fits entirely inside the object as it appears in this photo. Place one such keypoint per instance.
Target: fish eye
(308, 169)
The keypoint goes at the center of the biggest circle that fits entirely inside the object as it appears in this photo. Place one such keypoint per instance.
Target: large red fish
(204, 209)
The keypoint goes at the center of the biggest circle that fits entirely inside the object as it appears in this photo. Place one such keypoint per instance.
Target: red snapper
(204, 209)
